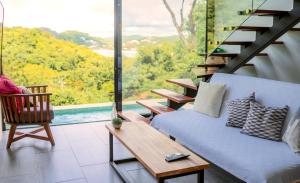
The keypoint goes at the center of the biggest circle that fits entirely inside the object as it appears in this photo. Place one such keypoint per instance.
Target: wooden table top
(150, 147)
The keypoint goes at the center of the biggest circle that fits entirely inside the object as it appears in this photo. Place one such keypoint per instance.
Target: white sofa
(251, 159)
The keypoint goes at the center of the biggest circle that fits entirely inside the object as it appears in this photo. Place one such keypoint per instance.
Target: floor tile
(75, 181)
(21, 179)
(58, 166)
(103, 173)
(140, 175)
(41, 146)
(90, 152)
(102, 133)
(19, 161)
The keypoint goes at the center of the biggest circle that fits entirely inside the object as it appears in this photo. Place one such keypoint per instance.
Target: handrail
(219, 35)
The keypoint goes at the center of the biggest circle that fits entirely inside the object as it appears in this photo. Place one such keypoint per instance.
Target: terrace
(214, 83)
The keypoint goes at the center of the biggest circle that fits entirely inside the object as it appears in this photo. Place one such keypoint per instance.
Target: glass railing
(225, 16)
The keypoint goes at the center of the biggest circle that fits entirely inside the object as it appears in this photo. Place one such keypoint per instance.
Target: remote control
(176, 156)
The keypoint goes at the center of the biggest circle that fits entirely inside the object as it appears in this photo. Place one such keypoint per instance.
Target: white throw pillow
(293, 136)
(209, 98)
(291, 122)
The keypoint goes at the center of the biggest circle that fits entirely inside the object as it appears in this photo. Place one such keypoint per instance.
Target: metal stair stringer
(281, 25)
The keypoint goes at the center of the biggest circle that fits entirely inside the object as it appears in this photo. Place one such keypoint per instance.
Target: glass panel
(1, 33)
(224, 17)
(67, 45)
(161, 40)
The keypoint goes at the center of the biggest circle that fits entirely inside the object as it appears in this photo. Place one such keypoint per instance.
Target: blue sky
(145, 17)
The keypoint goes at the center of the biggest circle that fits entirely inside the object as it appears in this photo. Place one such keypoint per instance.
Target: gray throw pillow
(265, 122)
(238, 111)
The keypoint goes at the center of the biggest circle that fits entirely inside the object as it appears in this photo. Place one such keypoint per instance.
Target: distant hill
(129, 42)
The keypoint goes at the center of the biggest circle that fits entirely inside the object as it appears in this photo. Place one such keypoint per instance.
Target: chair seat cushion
(31, 117)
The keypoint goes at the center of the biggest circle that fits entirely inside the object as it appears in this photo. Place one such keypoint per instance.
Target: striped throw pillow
(265, 122)
(238, 111)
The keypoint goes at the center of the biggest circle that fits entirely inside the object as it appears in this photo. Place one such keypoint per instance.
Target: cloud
(92, 16)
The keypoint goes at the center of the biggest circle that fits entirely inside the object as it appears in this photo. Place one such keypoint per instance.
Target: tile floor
(79, 156)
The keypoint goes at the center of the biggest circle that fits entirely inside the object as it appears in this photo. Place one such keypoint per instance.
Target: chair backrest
(26, 108)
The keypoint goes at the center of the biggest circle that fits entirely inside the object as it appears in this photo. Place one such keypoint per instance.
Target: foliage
(74, 73)
(117, 121)
(77, 75)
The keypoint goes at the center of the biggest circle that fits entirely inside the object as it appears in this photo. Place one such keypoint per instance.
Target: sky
(143, 17)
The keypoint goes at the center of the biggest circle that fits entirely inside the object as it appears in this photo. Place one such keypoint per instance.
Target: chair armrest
(38, 88)
(24, 95)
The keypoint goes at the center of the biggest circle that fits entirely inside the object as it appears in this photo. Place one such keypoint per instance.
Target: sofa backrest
(268, 92)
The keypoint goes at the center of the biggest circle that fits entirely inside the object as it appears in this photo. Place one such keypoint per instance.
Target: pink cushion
(9, 87)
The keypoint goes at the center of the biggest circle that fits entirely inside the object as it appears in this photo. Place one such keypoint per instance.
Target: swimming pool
(86, 115)
(89, 114)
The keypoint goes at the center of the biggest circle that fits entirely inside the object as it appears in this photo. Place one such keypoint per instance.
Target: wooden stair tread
(295, 29)
(221, 54)
(232, 54)
(278, 42)
(211, 65)
(245, 42)
(173, 96)
(246, 28)
(154, 107)
(186, 83)
(237, 42)
(263, 12)
(207, 74)
(133, 116)
(262, 54)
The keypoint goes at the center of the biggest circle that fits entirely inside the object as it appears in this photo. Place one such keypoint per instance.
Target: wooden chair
(36, 111)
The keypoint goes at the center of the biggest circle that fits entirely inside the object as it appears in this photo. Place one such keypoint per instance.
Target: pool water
(86, 115)
(90, 114)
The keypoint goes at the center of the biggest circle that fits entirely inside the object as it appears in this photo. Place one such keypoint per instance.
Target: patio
(79, 156)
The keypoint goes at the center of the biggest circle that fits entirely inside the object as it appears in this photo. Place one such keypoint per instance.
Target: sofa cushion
(209, 99)
(252, 159)
(238, 111)
(265, 122)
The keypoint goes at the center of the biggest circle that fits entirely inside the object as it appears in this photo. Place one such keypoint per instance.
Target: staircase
(283, 21)
(174, 101)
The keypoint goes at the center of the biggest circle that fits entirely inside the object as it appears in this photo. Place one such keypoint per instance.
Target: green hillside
(77, 75)
(74, 73)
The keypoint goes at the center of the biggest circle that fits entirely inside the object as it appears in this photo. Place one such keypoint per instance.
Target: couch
(251, 159)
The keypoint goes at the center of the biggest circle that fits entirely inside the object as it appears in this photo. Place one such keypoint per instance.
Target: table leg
(160, 180)
(111, 148)
(200, 177)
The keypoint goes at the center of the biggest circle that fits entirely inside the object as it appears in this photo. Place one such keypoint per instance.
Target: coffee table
(150, 147)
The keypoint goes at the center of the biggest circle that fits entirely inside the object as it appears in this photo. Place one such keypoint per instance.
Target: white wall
(282, 63)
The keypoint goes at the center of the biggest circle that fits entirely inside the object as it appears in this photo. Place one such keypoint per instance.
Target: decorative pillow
(238, 111)
(28, 91)
(209, 98)
(8, 87)
(265, 122)
(291, 122)
(293, 138)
